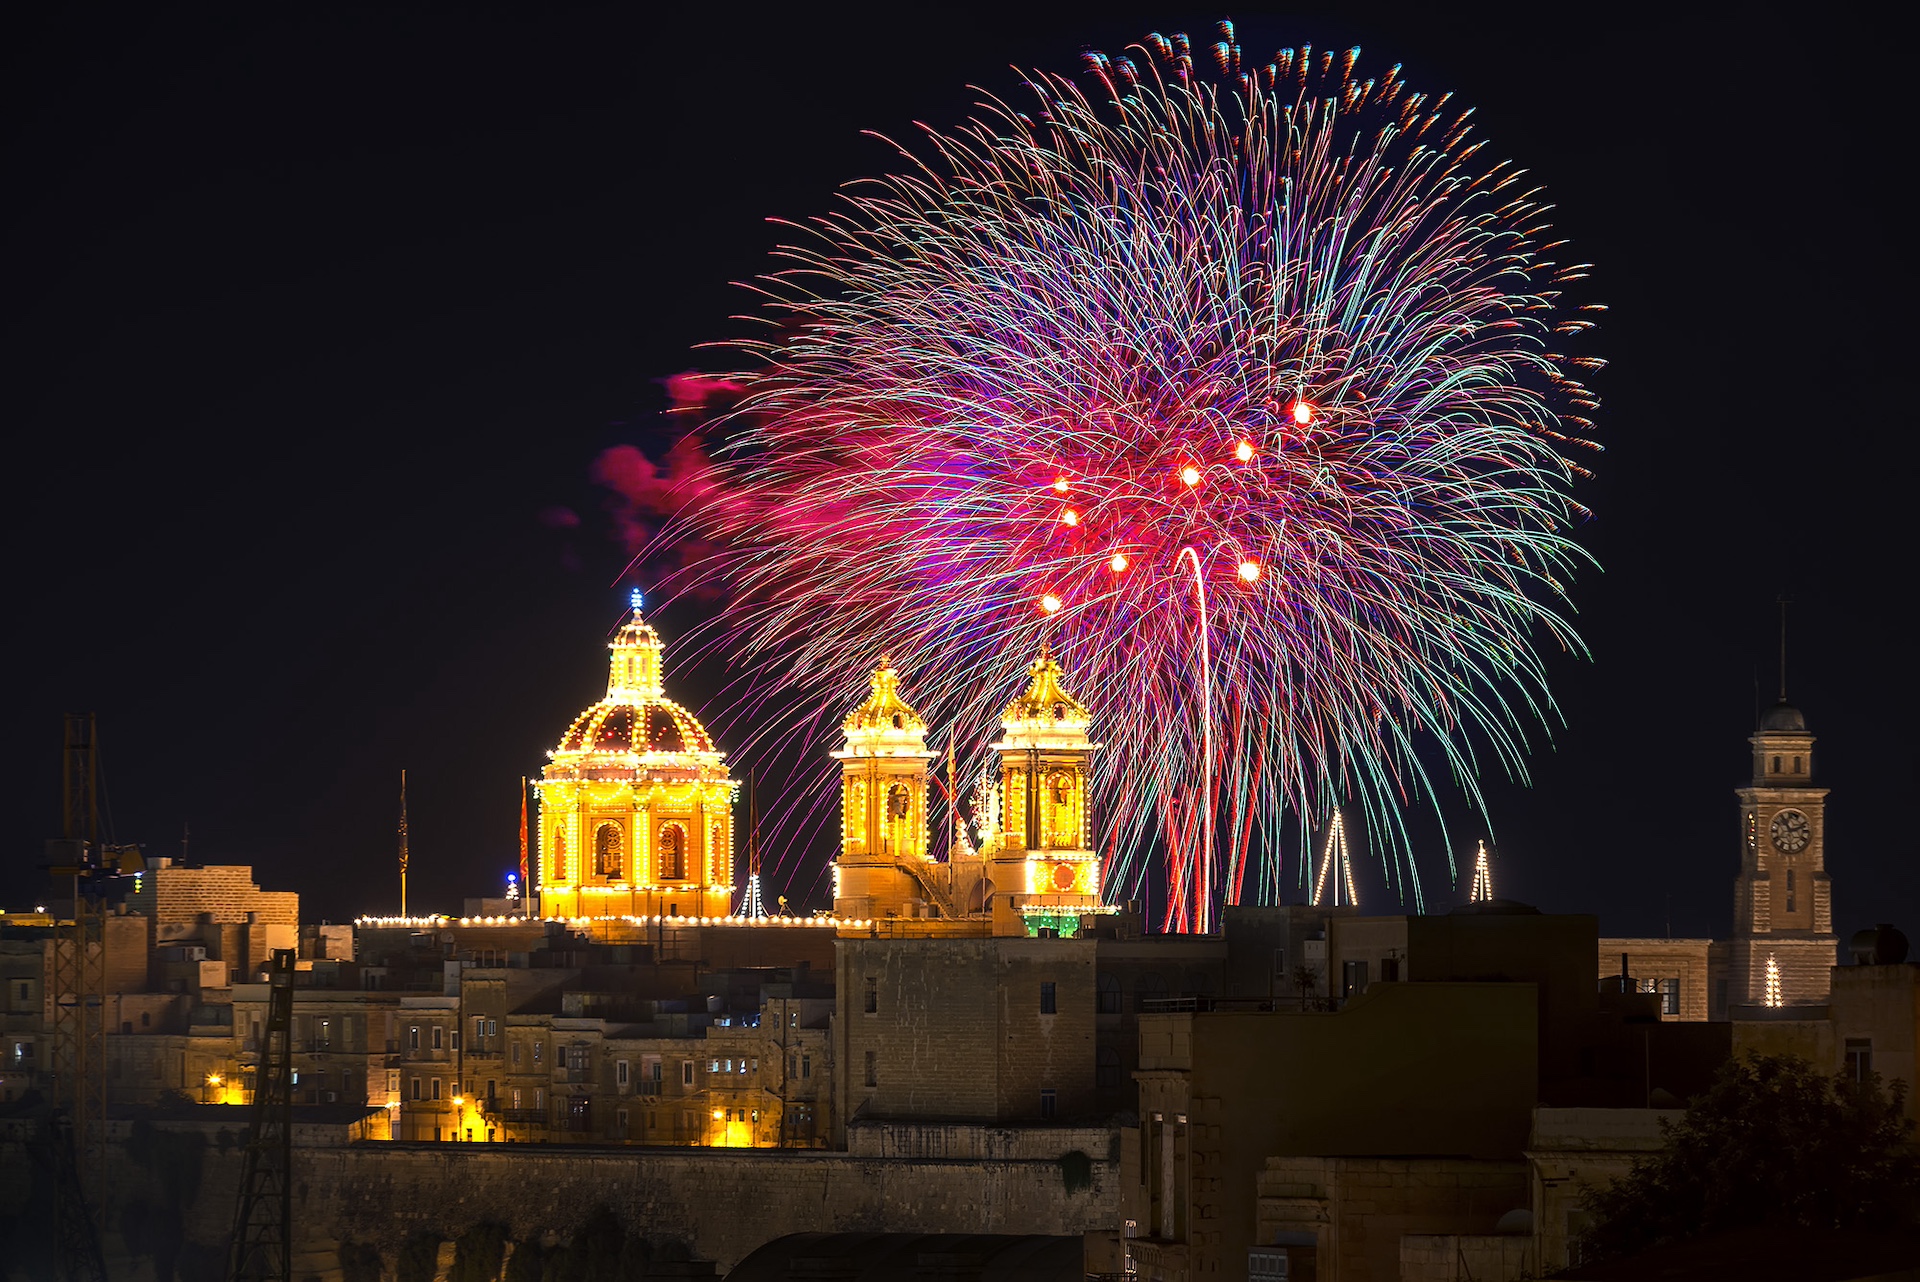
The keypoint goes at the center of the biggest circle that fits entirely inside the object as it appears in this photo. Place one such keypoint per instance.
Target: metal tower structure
(1482, 890)
(263, 1221)
(77, 983)
(752, 906)
(1336, 850)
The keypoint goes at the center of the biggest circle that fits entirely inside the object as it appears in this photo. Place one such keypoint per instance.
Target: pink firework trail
(1246, 391)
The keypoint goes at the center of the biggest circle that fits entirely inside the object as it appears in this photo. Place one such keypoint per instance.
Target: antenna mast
(403, 841)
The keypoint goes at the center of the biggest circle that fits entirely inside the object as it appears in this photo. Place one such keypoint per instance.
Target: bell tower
(1044, 870)
(1783, 942)
(883, 805)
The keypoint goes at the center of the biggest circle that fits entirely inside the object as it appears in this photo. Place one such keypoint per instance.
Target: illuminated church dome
(635, 801)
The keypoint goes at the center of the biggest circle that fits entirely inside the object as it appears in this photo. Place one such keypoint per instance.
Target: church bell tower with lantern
(883, 858)
(1043, 868)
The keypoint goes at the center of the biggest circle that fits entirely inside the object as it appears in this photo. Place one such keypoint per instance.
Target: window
(516, 1054)
(1790, 895)
(873, 1077)
(620, 1072)
(1106, 1069)
(479, 1027)
(435, 1092)
(1776, 765)
(436, 1036)
(413, 1037)
(1859, 1058)
(1109, 995)
(577, 1058)
(1049, 1102)
(536, 1052)
(673, 852)
(872, 995)
(1353, 978)
(493, 1028)
(416, 1088)
(1796, 765)
(806, 1066)
(540, 1099)
(607, 856)
(1049, 1002)
(686, 1072)
(1669, 990)
(1390, 970)
(23, 992)
(516, 1099)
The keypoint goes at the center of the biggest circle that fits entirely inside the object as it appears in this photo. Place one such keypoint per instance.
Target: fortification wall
(718, 1203)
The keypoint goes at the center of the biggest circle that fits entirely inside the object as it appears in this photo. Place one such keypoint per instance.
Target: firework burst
(1245, 390)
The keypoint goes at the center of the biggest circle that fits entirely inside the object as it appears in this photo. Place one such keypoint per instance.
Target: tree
(1771, 1141)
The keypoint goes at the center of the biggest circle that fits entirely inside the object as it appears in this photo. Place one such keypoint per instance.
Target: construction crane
(262, 1248)
(75, 1133)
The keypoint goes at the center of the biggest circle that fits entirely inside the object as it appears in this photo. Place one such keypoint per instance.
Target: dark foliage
(527, 1263)
(419, 1257)
(477, 1252)
(1076, 1171)
(359, 1262)
(1770, 1142)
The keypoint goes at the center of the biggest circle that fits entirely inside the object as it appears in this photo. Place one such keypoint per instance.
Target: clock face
(1791, 832)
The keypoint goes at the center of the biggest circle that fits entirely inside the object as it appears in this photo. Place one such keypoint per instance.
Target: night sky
(310, 317)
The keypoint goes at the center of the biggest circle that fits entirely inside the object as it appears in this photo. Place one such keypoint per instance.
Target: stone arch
(560, 856)
(609, 851)
(672, 848)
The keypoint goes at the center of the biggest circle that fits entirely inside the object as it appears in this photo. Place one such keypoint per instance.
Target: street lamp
(213, 1088)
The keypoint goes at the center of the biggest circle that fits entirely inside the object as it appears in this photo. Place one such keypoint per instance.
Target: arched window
(673, 852)
(1106, 1069)
(1063, 828)
(1109, 994)
(1152, 987)
(559, 856)
(608, 857)
(899, 815)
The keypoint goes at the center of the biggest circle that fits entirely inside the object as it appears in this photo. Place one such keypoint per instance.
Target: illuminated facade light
(1773, 982)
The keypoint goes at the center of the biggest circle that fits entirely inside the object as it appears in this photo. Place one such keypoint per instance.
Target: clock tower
(1783, 942)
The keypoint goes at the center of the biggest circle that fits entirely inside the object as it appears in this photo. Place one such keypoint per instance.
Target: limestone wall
(720, 1203)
